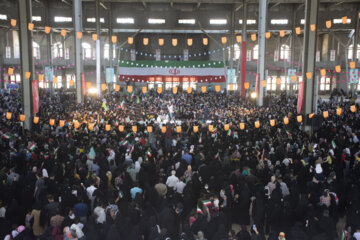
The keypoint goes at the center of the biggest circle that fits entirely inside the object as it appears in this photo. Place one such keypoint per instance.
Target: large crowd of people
(90, 182)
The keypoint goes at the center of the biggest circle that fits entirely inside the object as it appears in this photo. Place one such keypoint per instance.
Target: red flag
(300, 97)
(83, 85)
(35, 95)
(257, 84)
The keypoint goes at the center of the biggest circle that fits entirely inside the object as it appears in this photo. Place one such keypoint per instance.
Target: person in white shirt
(356, 234)
(90, 190)
(172, 180)
(179, 186)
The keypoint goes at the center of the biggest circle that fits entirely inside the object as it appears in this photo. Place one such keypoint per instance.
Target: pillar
(26, 60)
(98, 49)
(262, 45)
(355, 48)
(243, 51)
(77, 9)
(325, 47)
(309, 52)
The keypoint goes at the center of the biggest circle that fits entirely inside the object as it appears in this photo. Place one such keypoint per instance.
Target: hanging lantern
(203, 89)
(189, 89)
(272, 122)
(298, 30)
(79, 35)
(313, 27)
(145, 41)
(238, 38)
(114, 39)
(352, 65)
(178, 129)
(10, 71)
(159, 89)
(22, 117)
(344, 20)
(61, 123)
(107, 127)
(144, 90)
(253, 37)
(286, 120)
(94, 36)
(246, 85)
(226, 127)
(205, 41)
(47, 29)
(88, 84)
(174, 90)
(231, 87)
(134, 128)
(196, 129)
(257, 124)
(161, 41)
(299, 118)
(263, 83)
(163, 129)
(117, 87)
(267, 35)
(130, 89)
(353, 108)
(103, 86)
(174, 42)
(323, 72)
(41, 77)
(8, 115)
(36, 120)
(282, 33)
(121, 128)
(328, 24)
(311, 115)
(76, 125)
(308, 75)
(326, 114)
(149, 129)
(223, 40)
(337, 68)
(242, 126)
(217, 88)
(31, 26)
(63, 32)
(130, 40)
(278, 81)
(27, 75)
(211, 128)
(71, 83)
(189, 42)
(338, 111)
(91, 126)
(52, 122)
(13, 22)
(294, 78)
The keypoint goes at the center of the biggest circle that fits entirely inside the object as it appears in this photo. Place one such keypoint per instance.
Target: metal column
(355, 48)
(243, 51)
(232, 36)
(98, 50)
(49, 44)
(26, 59)
(77, 8)
(310, 39)
(111, 45)
(261, 62)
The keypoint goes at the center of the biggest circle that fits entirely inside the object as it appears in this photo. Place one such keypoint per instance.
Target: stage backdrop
(172, 71)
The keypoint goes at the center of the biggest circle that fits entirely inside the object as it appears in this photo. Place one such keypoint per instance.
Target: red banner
(35, 95)
(257, 84)
(300, 97)
(83, 85)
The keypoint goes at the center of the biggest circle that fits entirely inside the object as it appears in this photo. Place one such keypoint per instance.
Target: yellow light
(93, 91)
(253, 95)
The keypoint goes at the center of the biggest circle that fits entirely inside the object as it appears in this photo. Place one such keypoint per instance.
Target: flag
(200, 139)
(333, 144)
(6, 136)
(104, 106)
(214, 130)
(148, 153)
(229, 132)
(124, 142)
(199, 210)
(206, 203)
(32, 146)
(138, 100)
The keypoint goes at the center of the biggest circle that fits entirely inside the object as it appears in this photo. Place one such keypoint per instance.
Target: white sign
(186, 54)
(317, 56)
(276, 55)
(157, 55)
(132, 55)
(332, 55)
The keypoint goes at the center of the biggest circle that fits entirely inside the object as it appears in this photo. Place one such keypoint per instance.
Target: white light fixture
(218, 21)
(92, 20)
(156, 21)
(3, 17)
(339, 21)
(186, 21)
(93, 91)
(302, 21)
(279, 21)
(253, 95)
(248, 22)
(125, 20)
(62, 19)
(36, 18)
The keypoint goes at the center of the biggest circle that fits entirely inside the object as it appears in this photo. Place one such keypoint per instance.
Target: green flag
(104, 106)
(138, 100)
